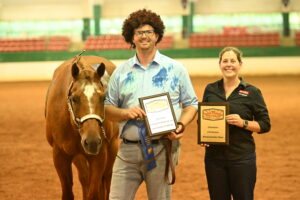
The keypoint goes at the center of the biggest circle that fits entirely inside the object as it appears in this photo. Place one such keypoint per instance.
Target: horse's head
(86, 105)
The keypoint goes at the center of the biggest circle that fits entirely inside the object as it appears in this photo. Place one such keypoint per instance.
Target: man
(147, 73)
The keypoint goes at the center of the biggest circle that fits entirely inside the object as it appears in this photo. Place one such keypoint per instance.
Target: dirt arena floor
(27, 171)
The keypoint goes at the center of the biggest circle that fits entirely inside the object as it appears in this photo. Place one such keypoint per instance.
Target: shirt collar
(242, 84)
(157, 60)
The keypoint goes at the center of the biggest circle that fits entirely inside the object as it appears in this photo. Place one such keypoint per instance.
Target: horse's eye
(75, 99)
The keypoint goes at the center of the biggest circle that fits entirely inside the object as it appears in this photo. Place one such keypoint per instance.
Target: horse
(76, 126)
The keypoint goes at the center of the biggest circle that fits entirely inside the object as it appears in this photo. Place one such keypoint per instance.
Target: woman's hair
(140, 18)
(235, 50)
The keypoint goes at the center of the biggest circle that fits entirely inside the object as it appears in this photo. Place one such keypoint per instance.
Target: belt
(138, 141)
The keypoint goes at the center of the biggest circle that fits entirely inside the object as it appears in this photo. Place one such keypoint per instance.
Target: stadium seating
(234, 36)
(117, 42)
(105, 42)
(166, 42)
(59, 43)
(22, 45)
(62, 43)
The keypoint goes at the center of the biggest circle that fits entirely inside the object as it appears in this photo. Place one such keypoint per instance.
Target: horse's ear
(75, 70)
(101, 70)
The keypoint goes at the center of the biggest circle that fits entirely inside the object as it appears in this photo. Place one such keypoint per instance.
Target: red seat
(105, 42)
(231, 38)
(166, 42)
(59, 43)
(21, 45)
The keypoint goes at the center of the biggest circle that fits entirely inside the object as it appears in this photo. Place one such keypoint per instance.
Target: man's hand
(178, 133)
(134, 112)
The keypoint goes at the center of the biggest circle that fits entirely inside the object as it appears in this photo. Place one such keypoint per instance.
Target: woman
(231, 170)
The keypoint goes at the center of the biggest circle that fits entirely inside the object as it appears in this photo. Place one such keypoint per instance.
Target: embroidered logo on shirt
(243, 93)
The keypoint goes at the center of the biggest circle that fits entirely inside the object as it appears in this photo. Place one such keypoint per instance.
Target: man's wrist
(182, 127)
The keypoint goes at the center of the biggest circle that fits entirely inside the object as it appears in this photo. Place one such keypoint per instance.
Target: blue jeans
(231, 178)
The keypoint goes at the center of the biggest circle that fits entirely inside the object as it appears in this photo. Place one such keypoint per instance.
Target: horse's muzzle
(91, 145)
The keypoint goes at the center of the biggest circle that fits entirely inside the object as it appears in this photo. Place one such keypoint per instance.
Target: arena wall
(35, 71)
(78, 9)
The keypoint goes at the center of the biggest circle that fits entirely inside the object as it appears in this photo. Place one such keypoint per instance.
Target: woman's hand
(204, 145)
(235, 119)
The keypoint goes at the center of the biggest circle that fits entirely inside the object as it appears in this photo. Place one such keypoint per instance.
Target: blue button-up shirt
(131, 80)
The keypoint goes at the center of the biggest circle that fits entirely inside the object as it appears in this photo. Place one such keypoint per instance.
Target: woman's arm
(236, 120)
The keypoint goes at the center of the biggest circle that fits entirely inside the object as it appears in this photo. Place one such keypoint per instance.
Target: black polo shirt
(247, 101)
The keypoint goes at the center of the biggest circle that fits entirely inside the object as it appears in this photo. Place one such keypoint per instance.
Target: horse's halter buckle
(79, 121)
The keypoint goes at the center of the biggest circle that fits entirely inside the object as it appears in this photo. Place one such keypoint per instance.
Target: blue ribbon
(147, 147)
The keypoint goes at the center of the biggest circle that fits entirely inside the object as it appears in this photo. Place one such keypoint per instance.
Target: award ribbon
(147, 147)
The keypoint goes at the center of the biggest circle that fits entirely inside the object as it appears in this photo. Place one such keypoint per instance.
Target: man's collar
(157, 57)
(156, 60)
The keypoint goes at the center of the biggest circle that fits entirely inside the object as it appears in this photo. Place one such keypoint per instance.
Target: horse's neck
(111, 129)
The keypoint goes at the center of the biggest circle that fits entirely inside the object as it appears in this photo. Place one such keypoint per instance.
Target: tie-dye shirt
(131, 80)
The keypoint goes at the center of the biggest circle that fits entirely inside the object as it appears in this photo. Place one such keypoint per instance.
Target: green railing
(125, 54)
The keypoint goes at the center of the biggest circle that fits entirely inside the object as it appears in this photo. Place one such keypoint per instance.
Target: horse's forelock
(85, 69)
(89, 74)
(89, 77)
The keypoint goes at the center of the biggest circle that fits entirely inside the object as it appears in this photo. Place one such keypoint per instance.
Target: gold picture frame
(160, 117)
(212, 125)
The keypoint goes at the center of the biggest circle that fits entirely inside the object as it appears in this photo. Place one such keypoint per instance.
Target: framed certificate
(160, 118)
(212, 126)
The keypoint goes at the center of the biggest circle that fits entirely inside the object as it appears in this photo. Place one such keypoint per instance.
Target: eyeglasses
(148, 33)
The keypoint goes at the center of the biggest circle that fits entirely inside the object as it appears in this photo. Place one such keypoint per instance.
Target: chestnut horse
(76, 126)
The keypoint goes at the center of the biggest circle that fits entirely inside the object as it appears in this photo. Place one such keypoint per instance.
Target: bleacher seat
(166, 42)
(117, 42)
(59, 43)
(22, 45)
(105, 42)
(229, 39)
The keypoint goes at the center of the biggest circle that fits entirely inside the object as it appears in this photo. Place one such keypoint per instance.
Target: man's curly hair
(139, 18)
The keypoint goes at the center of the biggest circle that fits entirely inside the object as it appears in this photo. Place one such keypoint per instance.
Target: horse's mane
(81, 63)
